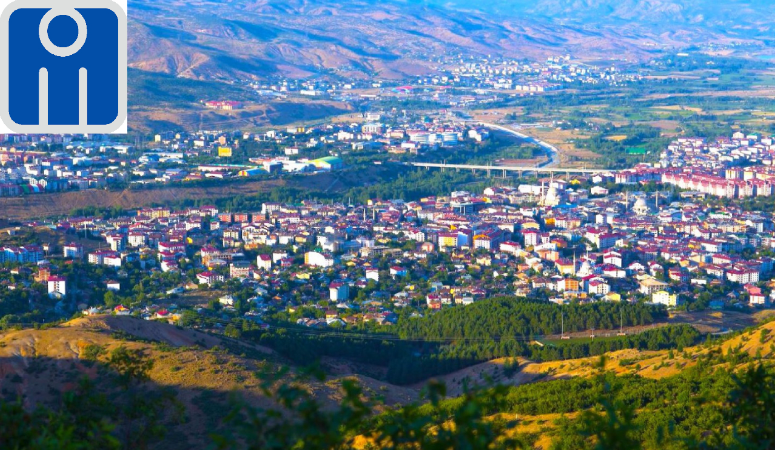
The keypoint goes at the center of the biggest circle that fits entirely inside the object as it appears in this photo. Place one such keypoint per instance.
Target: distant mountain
(704, 13)
(223, 39)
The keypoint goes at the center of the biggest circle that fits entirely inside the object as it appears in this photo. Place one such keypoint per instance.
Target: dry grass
(617, 137)
(666, 125)
(564, 141)
(58, 204)
(43, 205)
(255, 116)
(649, 364)
(38, 365)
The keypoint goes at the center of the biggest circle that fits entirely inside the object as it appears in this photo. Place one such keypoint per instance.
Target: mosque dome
(641, 208)
(552, 197)
(586, 269)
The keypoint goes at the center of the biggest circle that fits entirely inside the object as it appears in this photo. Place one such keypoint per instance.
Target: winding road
(552, 154)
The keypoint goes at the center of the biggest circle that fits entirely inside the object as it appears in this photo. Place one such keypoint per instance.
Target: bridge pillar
(504, 173)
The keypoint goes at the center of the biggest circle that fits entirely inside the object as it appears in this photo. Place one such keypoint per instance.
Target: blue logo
(63, 66)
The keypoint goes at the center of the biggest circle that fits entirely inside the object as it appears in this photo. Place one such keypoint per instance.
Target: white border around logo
(117, 127)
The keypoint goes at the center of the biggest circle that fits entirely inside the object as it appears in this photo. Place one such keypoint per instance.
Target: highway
(548, 166)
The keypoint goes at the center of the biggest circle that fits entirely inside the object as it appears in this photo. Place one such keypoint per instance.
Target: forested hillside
(520, 318)
(420, 348)
(725, 400)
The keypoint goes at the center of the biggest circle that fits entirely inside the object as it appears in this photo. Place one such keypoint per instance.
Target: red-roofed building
(264, 262)
(209, 278)
(339, 291)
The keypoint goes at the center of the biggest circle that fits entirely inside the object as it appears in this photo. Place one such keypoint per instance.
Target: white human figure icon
(62, 52)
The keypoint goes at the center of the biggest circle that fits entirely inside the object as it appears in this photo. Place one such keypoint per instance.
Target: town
(181, 157)
(435, 224)
(660, 233)
(481, 80)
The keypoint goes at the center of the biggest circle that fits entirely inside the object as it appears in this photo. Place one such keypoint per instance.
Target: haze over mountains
(394, 38)
(726, 16)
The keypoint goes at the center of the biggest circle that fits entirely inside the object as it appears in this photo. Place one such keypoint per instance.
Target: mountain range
(256, 39)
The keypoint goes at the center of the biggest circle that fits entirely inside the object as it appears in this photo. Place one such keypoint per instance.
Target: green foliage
(709, 406)
(92, 351)
(266, 429)
(154, 89)
(304, 349)
(750, 410)
(763, 335)
(628, 413)
(301, 422)
(109, 299)
(503, 317)
(142, 409)
(510, 368)
(232, 331)
(71, 428)
(130, 365)
(619, 153)
(131, 418)
(456, 338)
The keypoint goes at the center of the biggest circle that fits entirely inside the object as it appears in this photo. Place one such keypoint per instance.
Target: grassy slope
(36, 365)
(62, 203)
(649, 364)
(160, 102)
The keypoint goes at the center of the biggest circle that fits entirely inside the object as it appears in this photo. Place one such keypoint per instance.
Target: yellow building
(566, 267)
(665, 298)
(448, 240)
(530, 226)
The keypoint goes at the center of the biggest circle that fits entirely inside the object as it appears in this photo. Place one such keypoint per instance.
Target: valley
(402, 225)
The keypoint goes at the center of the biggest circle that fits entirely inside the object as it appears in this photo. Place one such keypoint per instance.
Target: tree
(750, 409)
(110, 299)
(140, 408)
(300, 421)
(232, 331)
(615, 428)
(72, 428)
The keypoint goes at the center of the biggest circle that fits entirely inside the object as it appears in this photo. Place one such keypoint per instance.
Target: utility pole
(562, 322)
(621, 323)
